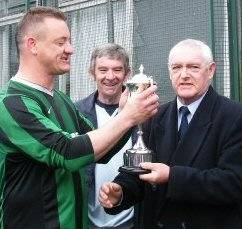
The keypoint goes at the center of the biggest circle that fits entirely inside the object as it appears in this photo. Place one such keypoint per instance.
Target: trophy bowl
(139, 152)
(134, 87)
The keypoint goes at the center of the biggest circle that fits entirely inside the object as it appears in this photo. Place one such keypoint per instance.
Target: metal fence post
(234, 50)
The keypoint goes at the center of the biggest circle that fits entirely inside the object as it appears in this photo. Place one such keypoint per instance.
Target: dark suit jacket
(205, 185)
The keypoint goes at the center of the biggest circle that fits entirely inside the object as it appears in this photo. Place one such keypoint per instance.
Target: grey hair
(112, 51)
(192, 43)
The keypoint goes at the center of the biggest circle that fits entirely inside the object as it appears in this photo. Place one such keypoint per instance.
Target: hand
(141, 106)
(159, 173)
(110, 194)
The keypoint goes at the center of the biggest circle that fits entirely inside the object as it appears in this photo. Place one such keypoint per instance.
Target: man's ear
(170, 76)
(211, 70)
(92, 73)
(31, 45)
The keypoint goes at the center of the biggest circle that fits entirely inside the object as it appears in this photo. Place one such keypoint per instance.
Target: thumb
(126, 92)
(146, 165)
(116, 187)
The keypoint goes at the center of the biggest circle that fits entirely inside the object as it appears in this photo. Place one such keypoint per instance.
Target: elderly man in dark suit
(196, 182)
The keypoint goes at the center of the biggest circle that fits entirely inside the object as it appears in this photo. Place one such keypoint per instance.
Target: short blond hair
(32, 18)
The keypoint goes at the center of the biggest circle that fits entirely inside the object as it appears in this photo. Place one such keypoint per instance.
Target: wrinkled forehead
(109, 61)
(186, 55)
(111, 56)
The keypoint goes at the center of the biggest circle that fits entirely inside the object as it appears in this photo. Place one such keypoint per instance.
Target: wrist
(125, 119)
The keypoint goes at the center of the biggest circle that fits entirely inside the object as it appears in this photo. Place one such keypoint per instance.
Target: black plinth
(133, 170)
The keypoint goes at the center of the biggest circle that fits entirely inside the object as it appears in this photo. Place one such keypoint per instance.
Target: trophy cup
(139, 152)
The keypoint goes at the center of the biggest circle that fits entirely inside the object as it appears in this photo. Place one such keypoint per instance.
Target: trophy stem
(140, 128)
(139, 145)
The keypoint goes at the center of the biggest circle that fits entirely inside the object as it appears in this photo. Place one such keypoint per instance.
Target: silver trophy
(139, 152)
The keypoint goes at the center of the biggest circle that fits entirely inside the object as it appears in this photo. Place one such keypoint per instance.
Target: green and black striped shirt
(43, 151)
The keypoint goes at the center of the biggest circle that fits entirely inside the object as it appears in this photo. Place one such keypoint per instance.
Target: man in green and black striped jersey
(44, 142)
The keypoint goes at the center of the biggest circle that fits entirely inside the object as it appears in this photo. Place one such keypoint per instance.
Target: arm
(120, 144)
(31, 132)
(87, 114)
(136, 110)
(125, 191)
(85, 124)
(219, 183)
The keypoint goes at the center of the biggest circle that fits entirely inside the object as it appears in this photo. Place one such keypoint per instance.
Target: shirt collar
(193, 106)
(18, 78)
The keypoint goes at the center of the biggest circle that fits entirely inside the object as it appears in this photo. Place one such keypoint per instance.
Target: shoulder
(220, 102)
(86, 102)
(224, 113)
(61, 95)
(229, 106)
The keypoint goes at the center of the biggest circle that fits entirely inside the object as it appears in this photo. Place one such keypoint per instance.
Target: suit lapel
(199, 127)
(90, 108)
(166, 134)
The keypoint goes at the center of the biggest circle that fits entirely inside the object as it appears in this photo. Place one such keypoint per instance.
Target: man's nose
(110, 74)
(69, 48)
(183, 73)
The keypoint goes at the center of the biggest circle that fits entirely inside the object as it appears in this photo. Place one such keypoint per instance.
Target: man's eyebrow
(61, 38)
(102, 67)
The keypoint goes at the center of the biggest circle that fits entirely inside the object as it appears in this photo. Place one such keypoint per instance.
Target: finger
(149, 91)
(152, 113)
(102, 200)
(106, 188)
(151, 110)
(103, 195)
(154, 98)
(146, 177)
(105, 203)
(151, 102)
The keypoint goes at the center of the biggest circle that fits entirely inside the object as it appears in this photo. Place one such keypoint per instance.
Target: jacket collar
(198, 129)
(183, 153)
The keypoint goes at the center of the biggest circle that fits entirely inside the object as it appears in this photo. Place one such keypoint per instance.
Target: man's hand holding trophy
(139, 152)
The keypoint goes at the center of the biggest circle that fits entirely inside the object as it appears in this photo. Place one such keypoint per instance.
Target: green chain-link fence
(146, 28)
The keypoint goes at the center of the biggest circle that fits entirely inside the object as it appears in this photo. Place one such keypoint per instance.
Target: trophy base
(133, 170)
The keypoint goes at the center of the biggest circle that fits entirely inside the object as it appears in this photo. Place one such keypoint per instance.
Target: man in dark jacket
(196, 182)
(109, 66)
